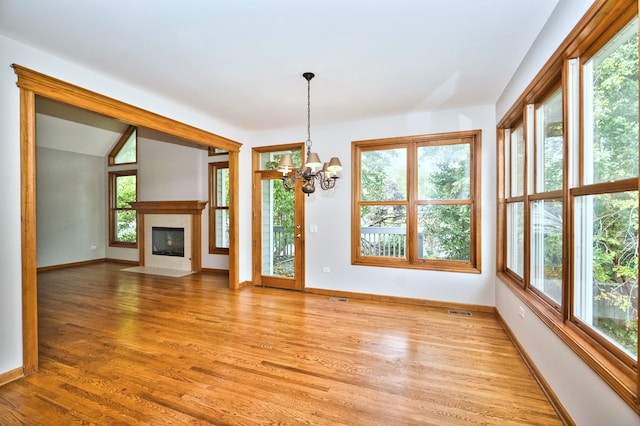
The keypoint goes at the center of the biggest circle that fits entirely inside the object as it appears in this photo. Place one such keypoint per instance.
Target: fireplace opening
(167, 241)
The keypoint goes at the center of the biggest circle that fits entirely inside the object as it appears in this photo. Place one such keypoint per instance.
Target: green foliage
(615, 109)
(447, 228)
(126, 219)
(615, 156)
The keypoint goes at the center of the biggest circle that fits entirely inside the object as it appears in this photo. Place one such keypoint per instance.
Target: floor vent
(460, 313)
(338, 299)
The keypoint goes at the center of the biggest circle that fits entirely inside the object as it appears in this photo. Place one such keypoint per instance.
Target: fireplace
(169, 234)
(167, 241)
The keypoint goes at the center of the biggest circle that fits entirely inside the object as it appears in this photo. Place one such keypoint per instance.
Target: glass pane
(384, 175)
(611, 109)
(125, 226)
(546, 248)
(127, 153)
(515, 238)
(444, 172)
(270, 160)
(222, 228)
(444, 232)
(550, 144)
(517, 162)
(125, 191)
(278, 231)
(606, 266)
(383, 231)
(222, 187)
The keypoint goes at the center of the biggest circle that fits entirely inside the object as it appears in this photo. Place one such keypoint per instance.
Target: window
(125, 151)
(219, 207)
(122, 218)
(416, 202)
(123, 189)
(515, 200)
(569, 196)
(545, 201)
(605, 200)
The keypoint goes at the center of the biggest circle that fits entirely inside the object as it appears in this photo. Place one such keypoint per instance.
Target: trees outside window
(123, 223)
(416, 202)
(605, 199)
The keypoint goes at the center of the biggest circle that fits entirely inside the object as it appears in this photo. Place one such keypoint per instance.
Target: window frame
(411, 203)
(214, 207)
(111, 158)
(113, 207)
(602, 22)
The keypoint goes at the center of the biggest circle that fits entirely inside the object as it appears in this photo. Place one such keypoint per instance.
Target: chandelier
(310, 171)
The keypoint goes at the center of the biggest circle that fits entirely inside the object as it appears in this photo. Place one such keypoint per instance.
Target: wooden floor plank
(119, 348)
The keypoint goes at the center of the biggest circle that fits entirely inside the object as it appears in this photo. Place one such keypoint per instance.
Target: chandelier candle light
(310, 171)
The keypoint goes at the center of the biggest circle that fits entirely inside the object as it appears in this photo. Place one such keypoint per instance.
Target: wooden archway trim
(32, 83)
(58, 90)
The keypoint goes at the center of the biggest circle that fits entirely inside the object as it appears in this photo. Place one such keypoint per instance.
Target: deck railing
(374, 241)
(387, 242)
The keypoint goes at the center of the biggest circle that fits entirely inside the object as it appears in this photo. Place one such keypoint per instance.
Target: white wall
(71, 207)
(589, 400)
(331, 211)
(10, 270)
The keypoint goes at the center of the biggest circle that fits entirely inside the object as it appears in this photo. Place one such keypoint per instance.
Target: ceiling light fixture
(310, 171)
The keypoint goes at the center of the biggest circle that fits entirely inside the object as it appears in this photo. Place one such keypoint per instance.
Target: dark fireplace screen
(167, 241)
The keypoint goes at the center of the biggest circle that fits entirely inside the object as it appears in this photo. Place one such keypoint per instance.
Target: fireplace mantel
(186, 207)
(169, 207)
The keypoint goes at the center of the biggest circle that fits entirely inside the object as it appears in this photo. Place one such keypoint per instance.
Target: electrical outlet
(521, 312)
(93, 246)
(326, 269)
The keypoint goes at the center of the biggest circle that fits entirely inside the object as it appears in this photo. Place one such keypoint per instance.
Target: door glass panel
(270, 160)
(278, 230)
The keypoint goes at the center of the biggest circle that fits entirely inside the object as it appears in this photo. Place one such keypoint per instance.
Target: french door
(278, 232)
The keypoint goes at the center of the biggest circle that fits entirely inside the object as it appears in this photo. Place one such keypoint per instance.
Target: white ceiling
(241, 60)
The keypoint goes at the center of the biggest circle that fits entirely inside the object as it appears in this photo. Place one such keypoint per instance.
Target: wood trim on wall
(32, 83)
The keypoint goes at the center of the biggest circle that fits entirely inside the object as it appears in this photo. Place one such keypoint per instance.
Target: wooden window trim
(411, 143)
(604, 19)
(213, 207)
(118, 146)
(113, 175)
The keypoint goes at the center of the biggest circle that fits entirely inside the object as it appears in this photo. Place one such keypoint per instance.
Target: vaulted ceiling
(241, 60)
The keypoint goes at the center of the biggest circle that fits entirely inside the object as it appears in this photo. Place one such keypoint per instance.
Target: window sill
(123, 245)
(620, 378)
(440, 266)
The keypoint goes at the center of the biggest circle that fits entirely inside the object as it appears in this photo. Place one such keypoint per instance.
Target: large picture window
(569, 198)
(416, 202)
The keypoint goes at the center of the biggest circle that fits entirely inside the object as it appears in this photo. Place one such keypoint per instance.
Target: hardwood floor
(119, 348)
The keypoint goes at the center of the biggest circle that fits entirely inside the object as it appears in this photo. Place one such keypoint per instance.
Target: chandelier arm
(326, 182)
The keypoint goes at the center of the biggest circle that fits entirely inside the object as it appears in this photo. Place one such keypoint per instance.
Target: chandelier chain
(308, 143)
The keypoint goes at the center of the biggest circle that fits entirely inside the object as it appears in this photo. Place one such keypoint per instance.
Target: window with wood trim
(569, 196)
(417, 202)
(219, 207)
(123, 190)
(125, 151)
